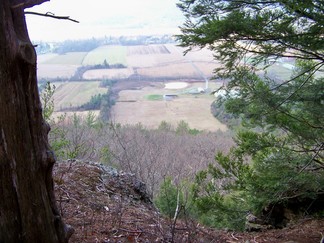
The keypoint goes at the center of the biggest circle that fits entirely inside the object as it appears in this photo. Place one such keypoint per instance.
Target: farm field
(159, 61)
(54, 71)
(141, 85)
(72, 94)
(114, 73)
(41, 59)
(187, 70)
(112, 54)
(152, 61)
(153, 55)
(70, 58)
(138, 106)
(145, 105)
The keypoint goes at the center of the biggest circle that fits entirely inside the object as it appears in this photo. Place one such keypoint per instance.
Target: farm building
(168, 97)
(195, 91)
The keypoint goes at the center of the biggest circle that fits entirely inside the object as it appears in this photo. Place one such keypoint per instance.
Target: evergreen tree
(279, 152)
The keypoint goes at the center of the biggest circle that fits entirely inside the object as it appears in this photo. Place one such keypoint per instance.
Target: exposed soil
(147, 50)
(104, 205)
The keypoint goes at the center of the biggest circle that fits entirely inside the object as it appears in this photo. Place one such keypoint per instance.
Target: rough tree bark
(28, 211)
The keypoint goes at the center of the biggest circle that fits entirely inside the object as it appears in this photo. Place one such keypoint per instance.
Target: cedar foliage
(278, 157)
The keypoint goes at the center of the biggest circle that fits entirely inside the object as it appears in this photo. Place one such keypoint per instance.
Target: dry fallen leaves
(104, 205)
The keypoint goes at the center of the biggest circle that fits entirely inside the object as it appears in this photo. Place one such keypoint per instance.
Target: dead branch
(234, 237)
(51, 15)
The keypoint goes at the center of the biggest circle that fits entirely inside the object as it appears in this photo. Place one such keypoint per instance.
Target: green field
(154, 97)
(112, 54)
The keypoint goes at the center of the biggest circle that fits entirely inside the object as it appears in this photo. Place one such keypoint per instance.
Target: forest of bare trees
(151, 155)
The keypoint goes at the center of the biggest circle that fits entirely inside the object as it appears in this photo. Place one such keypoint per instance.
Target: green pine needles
(278, 157)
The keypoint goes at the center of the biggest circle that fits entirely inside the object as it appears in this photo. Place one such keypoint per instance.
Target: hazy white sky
(104, 18)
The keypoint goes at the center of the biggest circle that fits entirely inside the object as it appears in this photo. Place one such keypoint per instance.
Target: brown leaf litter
(104, 205)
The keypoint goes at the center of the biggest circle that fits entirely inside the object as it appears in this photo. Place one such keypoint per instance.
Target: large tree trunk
(28, 211)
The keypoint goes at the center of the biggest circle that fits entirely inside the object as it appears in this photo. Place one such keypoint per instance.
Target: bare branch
(51, 15)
